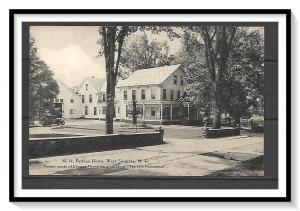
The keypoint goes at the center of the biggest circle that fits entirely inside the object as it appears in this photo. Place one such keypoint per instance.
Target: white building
(86, 100)
(158, 93)
(68, 101)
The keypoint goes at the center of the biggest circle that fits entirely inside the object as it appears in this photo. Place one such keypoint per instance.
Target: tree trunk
(109, 40)
(110, 105)
(215, 106)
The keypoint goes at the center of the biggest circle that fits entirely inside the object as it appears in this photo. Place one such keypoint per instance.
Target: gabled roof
(151, 76)
(97, 83)
(63, 84)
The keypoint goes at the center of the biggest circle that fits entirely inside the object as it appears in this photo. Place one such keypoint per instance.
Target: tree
(192, 57)
(244, 80)
(141, 53)
(224, 68)
(111, 42)
(42, 87)
(217, 46)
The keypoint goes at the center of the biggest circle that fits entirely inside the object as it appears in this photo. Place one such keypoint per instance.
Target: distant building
(67, 101)
(86, 100)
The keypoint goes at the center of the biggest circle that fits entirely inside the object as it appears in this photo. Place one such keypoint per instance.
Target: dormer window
(86, 87)
(175, 79)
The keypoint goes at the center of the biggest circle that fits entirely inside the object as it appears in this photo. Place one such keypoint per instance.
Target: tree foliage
(43, 87)
(224, 68)
(111, 44)
(141, 53)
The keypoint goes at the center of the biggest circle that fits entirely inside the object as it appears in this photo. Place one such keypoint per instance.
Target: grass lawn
(253, 167)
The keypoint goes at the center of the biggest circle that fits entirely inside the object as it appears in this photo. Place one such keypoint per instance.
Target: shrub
(47, 120)
(226, 121)
(257, 123)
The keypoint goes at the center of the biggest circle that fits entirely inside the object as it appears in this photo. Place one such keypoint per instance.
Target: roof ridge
(68, 88)
(149, 76)
(90, 78)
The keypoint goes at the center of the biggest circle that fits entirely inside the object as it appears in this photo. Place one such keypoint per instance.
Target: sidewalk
(178, 157)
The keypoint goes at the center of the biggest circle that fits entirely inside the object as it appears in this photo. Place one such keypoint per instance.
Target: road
(185, 153)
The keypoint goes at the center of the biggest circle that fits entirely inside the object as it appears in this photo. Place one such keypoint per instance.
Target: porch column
(143, 111)
(161, 111)
(171, 112)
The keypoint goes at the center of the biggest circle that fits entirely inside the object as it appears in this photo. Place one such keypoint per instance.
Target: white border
(281, 19)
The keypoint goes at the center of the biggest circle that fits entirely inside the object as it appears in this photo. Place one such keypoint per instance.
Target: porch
(163, 112)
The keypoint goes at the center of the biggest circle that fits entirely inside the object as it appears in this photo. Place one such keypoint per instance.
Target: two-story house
(156, 91)
(67, 101)
(91, 98)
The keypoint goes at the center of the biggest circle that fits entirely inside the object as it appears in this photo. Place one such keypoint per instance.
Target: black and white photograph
(149, 105)
(138, 100)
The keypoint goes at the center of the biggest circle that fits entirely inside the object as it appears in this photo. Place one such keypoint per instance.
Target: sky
(71, 51)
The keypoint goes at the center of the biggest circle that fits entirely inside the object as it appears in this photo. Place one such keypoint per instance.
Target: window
(125, 95)
(118, 109)
(61, 100)
(153, 94)
(142, 111)
(99, 110)
(175, 79)
(90, 98)
(126, 110)
(152, 111)
(143, 96)
(72, 111)
(103, 97)
(56, 100)
(181, 80)
(86, 110)
(103, 109)
(71, 100)
(172, 95)
(164, 94)
(133, 94)
(99, 98)
(178, 95)
(86, 87)
(82, 98)
(95, 110)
